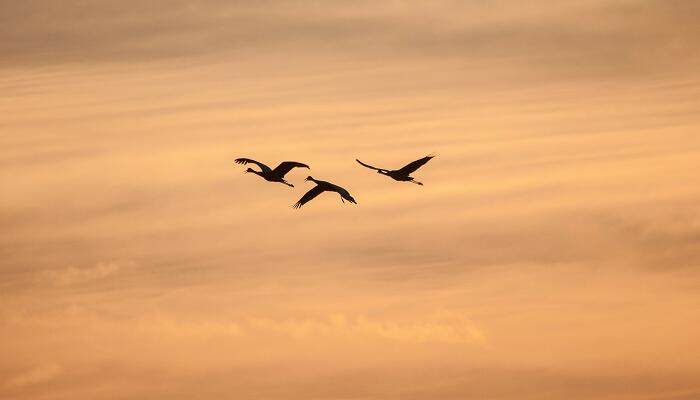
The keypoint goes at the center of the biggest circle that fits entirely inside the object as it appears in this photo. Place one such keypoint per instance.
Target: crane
(323, 186)
(403, 173)
(272, 175)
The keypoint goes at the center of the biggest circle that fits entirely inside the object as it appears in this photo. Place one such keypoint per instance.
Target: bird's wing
(414, 165)
(344, 194)
(309, 196)
(371, 167)
(248, 160)
(287, 166)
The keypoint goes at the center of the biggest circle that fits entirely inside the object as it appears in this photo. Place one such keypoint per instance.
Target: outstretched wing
(248, 160)
(371, 167)
(414, 165)
(309, 196)
(287, 166)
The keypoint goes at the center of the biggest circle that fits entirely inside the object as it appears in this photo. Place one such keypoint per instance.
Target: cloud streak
(590, 37)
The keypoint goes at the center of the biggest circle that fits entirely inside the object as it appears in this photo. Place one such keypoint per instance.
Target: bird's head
(249, 170)
(309, 178)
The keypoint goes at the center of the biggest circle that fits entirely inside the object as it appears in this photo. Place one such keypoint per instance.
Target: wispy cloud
(72, 275)
(589, 36)
(34, 376)
(340, 325)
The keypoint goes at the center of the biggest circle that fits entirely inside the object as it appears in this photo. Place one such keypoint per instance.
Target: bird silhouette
(403, 173)
(272, 175)
(323, 186)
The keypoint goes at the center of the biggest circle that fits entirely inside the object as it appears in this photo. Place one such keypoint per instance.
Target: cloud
(35, 376)
(582, 37)
(75, 276)
(339, 325)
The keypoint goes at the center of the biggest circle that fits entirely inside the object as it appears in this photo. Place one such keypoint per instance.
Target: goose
(323, 186)
(403, 173)
(272, 175)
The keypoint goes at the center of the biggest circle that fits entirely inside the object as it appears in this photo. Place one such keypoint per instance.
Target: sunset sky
(553, 252)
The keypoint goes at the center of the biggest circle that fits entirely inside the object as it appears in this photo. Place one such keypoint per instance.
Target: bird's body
(323, 186)
(402, 174)
(269, 174)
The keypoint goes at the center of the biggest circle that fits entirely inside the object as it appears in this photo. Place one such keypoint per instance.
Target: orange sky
(551, 254)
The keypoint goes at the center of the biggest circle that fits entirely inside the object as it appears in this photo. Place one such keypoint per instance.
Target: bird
(272, 175)
(323, 186)
(403, 173)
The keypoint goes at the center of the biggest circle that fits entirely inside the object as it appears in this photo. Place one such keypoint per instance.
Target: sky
(552, 253)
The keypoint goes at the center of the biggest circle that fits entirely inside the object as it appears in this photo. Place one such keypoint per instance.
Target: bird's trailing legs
(416, 182)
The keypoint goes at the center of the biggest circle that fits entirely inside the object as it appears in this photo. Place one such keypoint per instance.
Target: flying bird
(403, 173)
(323, 186)
(272, 175)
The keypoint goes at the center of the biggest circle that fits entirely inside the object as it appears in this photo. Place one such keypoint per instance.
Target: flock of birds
(277, 175)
